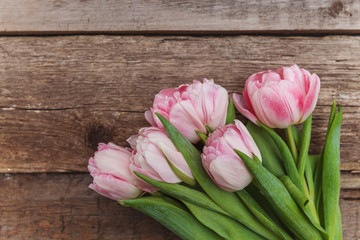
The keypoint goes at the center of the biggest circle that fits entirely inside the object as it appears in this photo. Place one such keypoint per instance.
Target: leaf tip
(123, 203)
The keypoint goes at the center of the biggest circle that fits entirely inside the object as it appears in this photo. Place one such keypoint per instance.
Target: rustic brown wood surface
(62, 94)
(60, 206)
(38, 16)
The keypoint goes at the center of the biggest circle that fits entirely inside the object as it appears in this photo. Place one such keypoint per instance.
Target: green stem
(311, 205)
(309, 178)
(313, 211)
(291, 142)
(304, 148)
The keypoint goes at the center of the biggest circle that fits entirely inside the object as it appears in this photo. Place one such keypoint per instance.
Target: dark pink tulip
(279, 98)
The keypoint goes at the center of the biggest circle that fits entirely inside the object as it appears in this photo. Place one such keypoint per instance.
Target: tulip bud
(279, 98)
(155, 156)
(110, 169)
(220, 160)
(191, 108)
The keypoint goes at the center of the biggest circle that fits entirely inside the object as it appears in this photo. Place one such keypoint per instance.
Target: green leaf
(318, 178)
(224, 226)
(299, 197)
(338, 234)
(208, 129)
(262, 215)
(271, 156)
(186, 179)
(179, 221)
(304, 203)
(281, 200)
(286, 156)
(225, 200)
(183, 193)
(308, 184)
(230, 116)
(309, 178)
(332, 116)
(314, 162)
(318, 186)
(304, 146)
(263, 202)
(202, 136)
(331, 175)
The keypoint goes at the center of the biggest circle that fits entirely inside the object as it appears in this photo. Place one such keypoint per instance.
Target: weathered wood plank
(53, 141)
(60, 206)
(350, 210)
(38, 16)
(125, 72)
(55, 206)
(350, 186)
(63, 140)
(60, 95)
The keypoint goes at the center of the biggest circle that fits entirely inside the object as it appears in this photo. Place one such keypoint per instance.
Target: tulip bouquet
(205, 175)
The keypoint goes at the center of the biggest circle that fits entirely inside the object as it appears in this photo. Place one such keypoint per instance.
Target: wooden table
(75, 73)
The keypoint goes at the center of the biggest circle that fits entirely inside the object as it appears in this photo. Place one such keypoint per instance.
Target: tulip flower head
(279, 98)
(110, 169)
(191, 107)
(220, 160)
(153, 152)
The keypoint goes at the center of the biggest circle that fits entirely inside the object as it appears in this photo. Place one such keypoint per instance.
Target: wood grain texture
(60, 206)
(60, 141)
(60, 96)
(39, 16)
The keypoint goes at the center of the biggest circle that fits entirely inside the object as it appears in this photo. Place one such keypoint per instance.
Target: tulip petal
(92, 168)
(234, 175)
(279, 98)
(133, 141)
(157, 122)
(208, 91)
(301, 78)
(114, 162)
(248, 140)
(185, 119)
(115, 188)
(214, 101)
(194, 95)
(311, 97)
(158, 162)
(100, 191)
(217, 115)
(234, 140)
(139, 183)
(176, 158)
(292, 97)
(149, 117)
(240, 105)
(259, 109)
(273, 108)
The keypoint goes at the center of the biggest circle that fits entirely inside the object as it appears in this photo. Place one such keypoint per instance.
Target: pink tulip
(279, 98)
(220, 160)
(151, 146)
(110, 169)
(191, 107)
